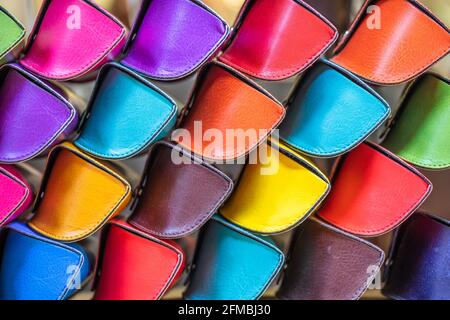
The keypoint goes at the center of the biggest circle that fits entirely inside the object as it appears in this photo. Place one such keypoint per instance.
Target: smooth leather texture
(60, 49)
(279, 200)
(230, 10)
(134, 265)
(421, 132)
(80, 195)
(226, 100)
(373, 191)
(289, 39)
(410, 39)
(231, 263)
(183, 35)
(332, 112)
(33, 116)
(11, 32)
(327, 264)
(126, 114)
(420, 260)
(169, 206)
(37, 268)
(15, 194)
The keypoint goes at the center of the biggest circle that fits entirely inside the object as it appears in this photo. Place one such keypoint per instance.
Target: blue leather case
(33, 267)
(232, 263)
(125, 115)
(332, 112)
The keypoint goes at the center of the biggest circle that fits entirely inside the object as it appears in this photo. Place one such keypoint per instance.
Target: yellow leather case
(78, 195)
(289, 191)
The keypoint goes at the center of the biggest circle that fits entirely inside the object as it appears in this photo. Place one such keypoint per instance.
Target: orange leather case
(408, 41)
(228, 100)
(78, 195)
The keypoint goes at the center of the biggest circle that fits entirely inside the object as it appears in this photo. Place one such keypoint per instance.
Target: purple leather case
(33, 115)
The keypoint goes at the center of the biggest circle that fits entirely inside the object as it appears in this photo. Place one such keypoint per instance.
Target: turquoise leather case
(232, 264)
(332, 112)
(125, 115)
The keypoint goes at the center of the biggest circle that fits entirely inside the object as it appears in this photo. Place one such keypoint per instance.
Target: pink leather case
(15, 194)
(71, 38)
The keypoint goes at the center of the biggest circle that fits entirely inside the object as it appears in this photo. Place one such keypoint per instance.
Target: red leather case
(135, 266)
(279, 39)
(373, 191)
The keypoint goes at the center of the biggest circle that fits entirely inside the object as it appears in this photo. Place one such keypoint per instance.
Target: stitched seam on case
(140, 146)
(192, 66)
(239, 153)
(160, 288)
(286, 73)
(311, 205)
(419, 161)
(354, 142)
(413, 73)
(48, 141)
(23, 196)
(104, 219)
(6, 49)
(97, 59)
(199, 221)
(273, 273)
(394, 222)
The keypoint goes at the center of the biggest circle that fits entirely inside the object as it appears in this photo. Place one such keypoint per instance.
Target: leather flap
(12, 32)
(373, 191)
(16, 193)
(231, 263)
(418, 254)
(35, 267)
(421, 129)
(78, 195)
(276, 194)
(71, 38)
(411, 51)
(328, 123)
(168, 206)
(125, 115)
(179, 46)
(226, 100)
(290, 38)
(155, 264)
(27, 102)
(328, 264)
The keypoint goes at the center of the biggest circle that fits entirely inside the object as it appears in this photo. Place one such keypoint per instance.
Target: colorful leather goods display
(327, 123)
(393, 42)
(34, 267)
(78, 195)
(231, 263)
(71, 38)
(421, 132)
(125, 115)
(226, 100)
(373, 191)
(419, 260)
(134, 265)
(169, 206)
(33, 115)
(15, 194)
(178, 46)
(328, 264)
(273, 201)
(288, 40)
(12, 32)
(230, 10)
